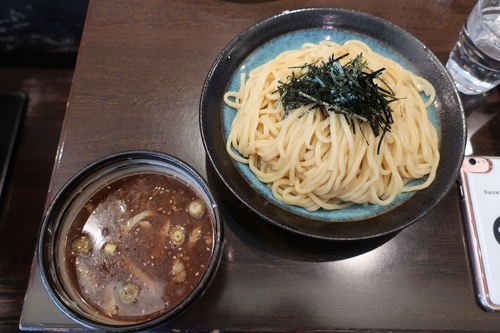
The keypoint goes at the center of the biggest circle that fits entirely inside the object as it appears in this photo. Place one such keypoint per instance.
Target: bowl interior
(282, 32)
(73, 198)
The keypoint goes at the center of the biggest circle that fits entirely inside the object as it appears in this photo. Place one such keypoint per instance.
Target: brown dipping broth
(135, 251)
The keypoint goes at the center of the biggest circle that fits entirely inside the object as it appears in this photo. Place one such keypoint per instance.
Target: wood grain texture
(26, 189)
(137, 85)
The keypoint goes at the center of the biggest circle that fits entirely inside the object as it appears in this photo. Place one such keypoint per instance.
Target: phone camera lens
(472, 161)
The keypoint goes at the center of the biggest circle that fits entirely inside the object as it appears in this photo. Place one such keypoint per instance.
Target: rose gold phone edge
(473, 240)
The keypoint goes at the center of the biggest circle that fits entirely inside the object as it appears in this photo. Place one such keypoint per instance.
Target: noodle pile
(317, 160)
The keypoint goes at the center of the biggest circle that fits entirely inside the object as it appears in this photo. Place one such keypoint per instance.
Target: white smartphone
(480, 190)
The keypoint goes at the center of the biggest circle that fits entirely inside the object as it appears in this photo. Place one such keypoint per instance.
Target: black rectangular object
(12, 106)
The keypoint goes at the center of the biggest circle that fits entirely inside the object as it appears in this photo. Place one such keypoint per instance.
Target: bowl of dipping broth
(130, 242)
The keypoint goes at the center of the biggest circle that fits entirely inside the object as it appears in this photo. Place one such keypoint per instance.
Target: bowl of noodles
(332, 123)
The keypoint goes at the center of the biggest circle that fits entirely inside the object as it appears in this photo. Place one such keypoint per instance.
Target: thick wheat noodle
(315, 161)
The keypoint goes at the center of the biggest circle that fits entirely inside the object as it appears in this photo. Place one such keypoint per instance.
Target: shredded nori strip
(351, 89)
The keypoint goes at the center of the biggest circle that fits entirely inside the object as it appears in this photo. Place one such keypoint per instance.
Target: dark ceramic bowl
(70, 200)
(289, 30)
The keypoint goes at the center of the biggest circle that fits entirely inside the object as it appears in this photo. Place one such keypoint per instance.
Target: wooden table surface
(137, 85)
